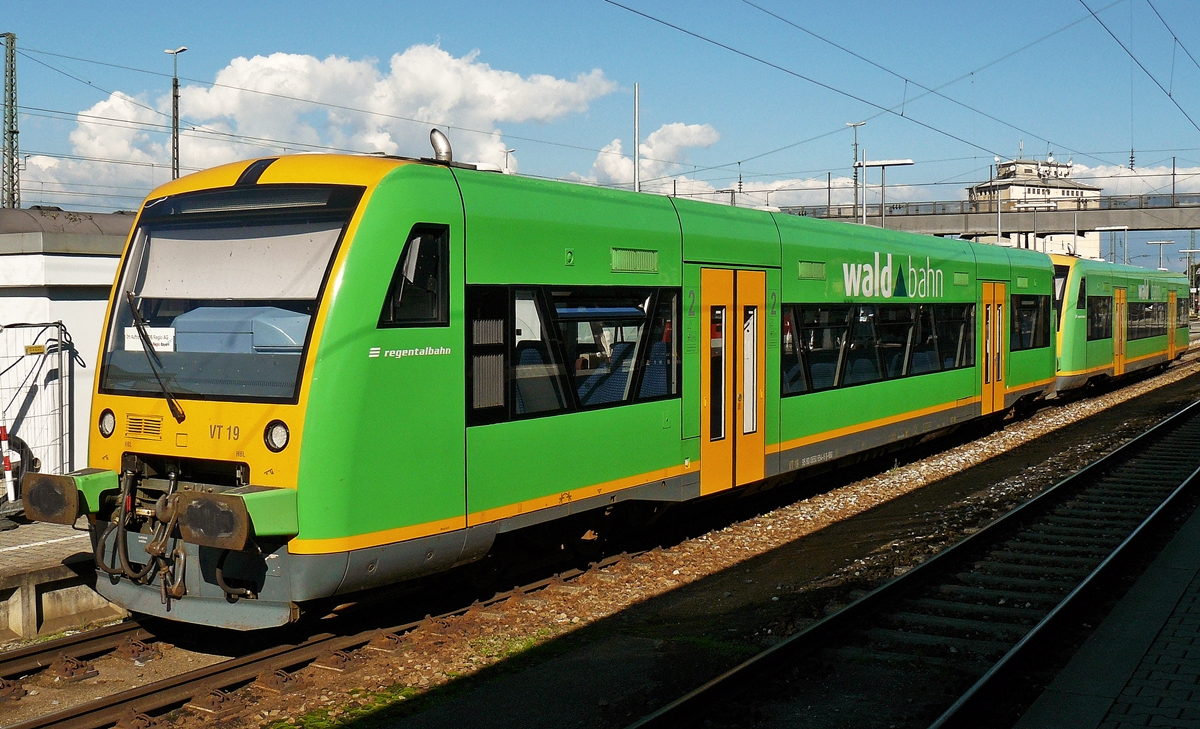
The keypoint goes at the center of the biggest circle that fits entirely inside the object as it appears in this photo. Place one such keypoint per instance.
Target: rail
(948, 616)
(211, 690)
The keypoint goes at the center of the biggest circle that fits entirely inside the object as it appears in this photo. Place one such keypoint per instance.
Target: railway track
(978, 616)
(81, 647)
(212, 690)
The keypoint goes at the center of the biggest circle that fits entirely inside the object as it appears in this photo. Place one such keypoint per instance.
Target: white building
(55, 266)
(1026, 185)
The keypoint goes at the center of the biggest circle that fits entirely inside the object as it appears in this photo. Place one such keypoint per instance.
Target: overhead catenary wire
(907, 80)
(951, 82)
(1172, 32)
(1141, 66)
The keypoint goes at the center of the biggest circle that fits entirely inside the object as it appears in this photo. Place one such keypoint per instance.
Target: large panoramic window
(544, 350)
(828, 346)
(1148, 319)
(217, 294)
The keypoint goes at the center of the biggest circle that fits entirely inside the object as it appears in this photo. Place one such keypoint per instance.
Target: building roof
(1061, 183)
(46, 220)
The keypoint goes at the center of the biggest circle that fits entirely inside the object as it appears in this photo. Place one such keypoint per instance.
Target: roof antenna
(441, 146)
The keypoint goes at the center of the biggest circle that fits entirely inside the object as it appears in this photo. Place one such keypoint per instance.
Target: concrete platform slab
(1139, 665)
(47, 581)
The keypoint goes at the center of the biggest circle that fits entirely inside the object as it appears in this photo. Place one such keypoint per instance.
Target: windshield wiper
(152, 357)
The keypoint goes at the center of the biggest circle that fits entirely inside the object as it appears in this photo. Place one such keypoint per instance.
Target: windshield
(228, 298)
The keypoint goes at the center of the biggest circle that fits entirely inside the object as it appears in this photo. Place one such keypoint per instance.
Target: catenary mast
(10, 175)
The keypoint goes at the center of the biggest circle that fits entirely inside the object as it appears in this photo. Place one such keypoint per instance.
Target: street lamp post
(1160, 244)
(996, 188)
(175, 109)
(883, 164)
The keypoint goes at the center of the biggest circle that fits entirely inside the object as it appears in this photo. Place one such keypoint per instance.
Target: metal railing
(36, 369)
(963, 207)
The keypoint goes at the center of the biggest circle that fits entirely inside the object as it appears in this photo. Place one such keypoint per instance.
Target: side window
(600, 334)
(1146, 320)
(537, 371)
(419, 295)
(955, 334)
(823, 331)
(1061, 274)
(1135, 323)
(487, 367)
(660, 377)
(1099, 317)
(925, 351)
(1181, 311)
(794, 380)
(1030, 316)
(536, 351)
(862, 361)
(895, 328)
(1081, 301)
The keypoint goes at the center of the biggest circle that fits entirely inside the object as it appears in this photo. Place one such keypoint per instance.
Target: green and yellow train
(323, 374)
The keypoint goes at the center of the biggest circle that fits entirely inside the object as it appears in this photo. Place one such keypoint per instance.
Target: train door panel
(750, 411)
(732, 378)
(1120, 314)
(992, 371)
(716, 380)
(1171, 325)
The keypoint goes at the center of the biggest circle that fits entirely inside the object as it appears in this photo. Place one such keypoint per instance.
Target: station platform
(1141, 666)
(46, 582)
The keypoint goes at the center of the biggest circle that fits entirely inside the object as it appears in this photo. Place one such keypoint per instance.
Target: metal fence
(952, 207)
(36, 366)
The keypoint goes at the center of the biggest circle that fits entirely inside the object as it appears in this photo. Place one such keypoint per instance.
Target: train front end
(200, 394)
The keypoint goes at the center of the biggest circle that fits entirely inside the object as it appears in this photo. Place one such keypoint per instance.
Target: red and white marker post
(8, 472)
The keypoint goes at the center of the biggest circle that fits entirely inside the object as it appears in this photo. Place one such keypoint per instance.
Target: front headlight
(108, 423)
(276, 436)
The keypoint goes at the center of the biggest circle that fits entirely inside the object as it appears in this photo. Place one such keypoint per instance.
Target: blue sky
(1073, 94)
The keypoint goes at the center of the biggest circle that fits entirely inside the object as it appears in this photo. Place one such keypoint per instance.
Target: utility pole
(10, 176)
(637, 139)
(855, 126)
(175, 110)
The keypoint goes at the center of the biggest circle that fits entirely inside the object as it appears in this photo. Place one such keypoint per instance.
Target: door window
(750, 369)
(716, 364)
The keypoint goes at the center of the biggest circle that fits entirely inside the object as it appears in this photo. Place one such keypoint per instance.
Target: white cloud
(424, 83)
(664, 150)
(1117, 180)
